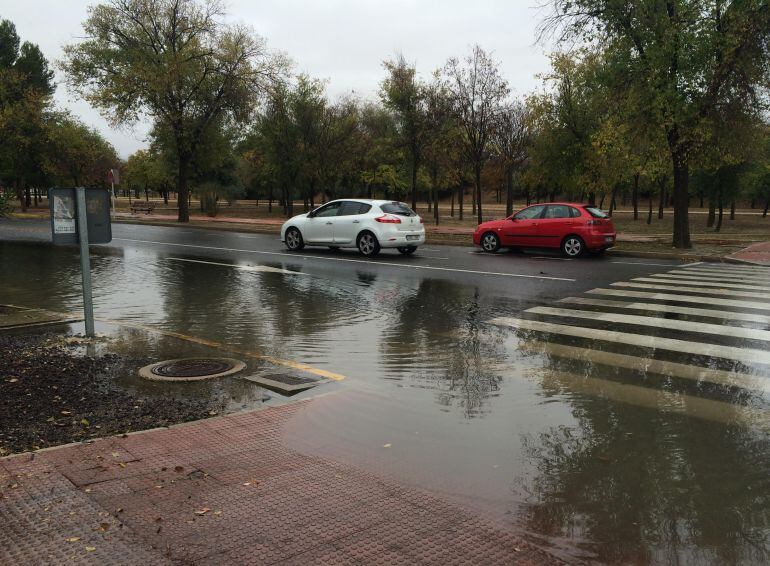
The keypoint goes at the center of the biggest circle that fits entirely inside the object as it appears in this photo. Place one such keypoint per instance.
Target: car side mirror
(310, 214)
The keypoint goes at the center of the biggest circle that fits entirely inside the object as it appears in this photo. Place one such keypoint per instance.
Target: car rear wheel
(490, 243)
(406, 250)
(368, 244)
(573, 246)
(293, 239)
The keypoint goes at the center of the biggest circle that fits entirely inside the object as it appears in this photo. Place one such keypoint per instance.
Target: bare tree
(476, 89)
(511, 138)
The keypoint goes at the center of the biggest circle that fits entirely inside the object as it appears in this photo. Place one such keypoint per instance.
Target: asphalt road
(540, 275)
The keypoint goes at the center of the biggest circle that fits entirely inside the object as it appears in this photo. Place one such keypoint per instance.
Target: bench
(146, 207)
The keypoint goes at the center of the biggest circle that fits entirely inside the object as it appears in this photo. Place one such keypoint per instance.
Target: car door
(347, 223)
(319, 228)
(557, 222)
(521, 228)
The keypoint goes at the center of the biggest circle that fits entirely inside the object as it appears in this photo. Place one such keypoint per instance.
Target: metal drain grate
(191, 369)
(286, 383)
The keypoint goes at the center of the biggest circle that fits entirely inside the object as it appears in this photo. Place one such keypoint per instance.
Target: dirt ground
(52, 393)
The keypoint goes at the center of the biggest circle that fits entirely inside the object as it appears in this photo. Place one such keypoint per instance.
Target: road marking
(228, 348)
(654, 307)
(650, 365)
(710, 277)
(252, 268)
(721, 275)
(432, 257)
(704, 290)
(682, 298)
(658, 400)
(658, 322)
(348, 260)
(730, 269)
(717, 284)
(641, 263)
(745, 355)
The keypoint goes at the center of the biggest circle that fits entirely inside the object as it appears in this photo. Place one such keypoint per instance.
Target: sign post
(81, 217)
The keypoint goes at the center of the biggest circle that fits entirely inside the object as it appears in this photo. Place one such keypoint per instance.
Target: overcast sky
(343, 41)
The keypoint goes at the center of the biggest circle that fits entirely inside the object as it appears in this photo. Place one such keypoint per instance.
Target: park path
(227, 490)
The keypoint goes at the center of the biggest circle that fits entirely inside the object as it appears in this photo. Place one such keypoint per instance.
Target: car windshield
(398, 208)
(596, 212)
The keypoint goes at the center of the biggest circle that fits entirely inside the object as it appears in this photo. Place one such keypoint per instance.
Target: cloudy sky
(343, 41)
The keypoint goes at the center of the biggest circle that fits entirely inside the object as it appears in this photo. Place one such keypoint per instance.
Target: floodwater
(599, 448)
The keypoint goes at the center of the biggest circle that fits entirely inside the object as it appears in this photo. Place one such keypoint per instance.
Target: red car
(573, 228)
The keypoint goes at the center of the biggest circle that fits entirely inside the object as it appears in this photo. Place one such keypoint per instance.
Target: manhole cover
(191, 369)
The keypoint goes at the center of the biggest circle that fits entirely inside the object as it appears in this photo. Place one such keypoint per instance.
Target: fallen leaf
(217, 512)
(179, 469)
(73, 539)
(104, 526)
(14, 380)
(119, 510)
(88, 490)
(115, 454)
(388, 445)
(90, 548)
(121, 464)
(247, 483)
(65, 413)
(202, 511)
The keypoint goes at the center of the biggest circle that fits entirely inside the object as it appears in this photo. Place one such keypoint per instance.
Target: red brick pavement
(756, 253)
(225, 490)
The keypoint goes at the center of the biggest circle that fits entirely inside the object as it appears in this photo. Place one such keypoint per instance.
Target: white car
(369, 225)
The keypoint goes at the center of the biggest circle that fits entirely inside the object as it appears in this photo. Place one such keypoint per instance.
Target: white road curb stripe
(704, 290)
(720, 284)
(682, 298)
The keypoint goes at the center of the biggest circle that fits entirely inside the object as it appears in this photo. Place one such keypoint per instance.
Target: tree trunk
(509, 192)
(460, 199)
(732, 210)
(435, 204)
(414, 180)
(452, 209)
(613, 204)
(478, 192)
(767, 205)
(681, 196)
(635, 196)
(700, 195)
(473, 201)
(711, 218)
(27, 197)
(721, 207)
(662, 201)
(649, 210)
(182, 190)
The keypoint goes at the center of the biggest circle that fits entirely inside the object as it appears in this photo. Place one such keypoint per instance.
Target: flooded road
(612, 411)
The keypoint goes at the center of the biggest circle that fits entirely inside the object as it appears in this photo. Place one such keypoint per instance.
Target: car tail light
(422, 220)
(593, 223)
(388, 219)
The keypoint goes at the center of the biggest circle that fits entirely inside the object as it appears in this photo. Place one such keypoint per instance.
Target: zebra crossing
(699, 332)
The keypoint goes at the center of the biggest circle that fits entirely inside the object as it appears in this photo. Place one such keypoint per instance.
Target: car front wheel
(406, 250)
(368, 244)
(573, 246)
(490, 243)
(293, 239)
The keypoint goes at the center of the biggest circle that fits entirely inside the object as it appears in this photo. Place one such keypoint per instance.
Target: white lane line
(252, 268)
(682, 298)
(651, 365)
(432, 257)
(659, 400)
(640, 263)
(704, 290)
(657, 322)
(718, 284)
(654, 307)
(549, 257)
(348, 260)
(716, 278)
(745, 355)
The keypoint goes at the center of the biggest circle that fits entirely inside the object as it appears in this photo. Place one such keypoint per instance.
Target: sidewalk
(226, 490)
(758, 253)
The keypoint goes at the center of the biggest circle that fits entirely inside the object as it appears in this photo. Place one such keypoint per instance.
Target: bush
(5, 203)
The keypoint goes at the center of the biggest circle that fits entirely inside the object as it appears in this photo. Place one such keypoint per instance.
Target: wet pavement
(613, 410)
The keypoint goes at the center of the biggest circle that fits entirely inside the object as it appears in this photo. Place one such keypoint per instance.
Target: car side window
(574, 212)
(557, 211)
(349, 208)
(330, 209)
(363, 208)
(530, 213)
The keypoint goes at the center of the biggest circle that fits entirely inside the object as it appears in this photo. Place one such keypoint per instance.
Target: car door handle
(356, 222)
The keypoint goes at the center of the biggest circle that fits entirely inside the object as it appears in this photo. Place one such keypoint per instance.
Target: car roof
(365, 200)
(575, 204)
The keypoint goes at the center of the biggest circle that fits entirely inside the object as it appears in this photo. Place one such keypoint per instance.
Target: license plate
(413, 237)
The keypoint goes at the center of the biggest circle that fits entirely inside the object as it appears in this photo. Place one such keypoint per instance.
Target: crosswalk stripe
(657, 322)
(704, 290)
(730, 269)
(682, 298)
(723, 274)
(745, 355)
(655, 307)
(720, 284)
(659, 400)
(684, 276)
(651, 365)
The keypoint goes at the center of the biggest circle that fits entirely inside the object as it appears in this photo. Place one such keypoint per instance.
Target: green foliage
(5, 203)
